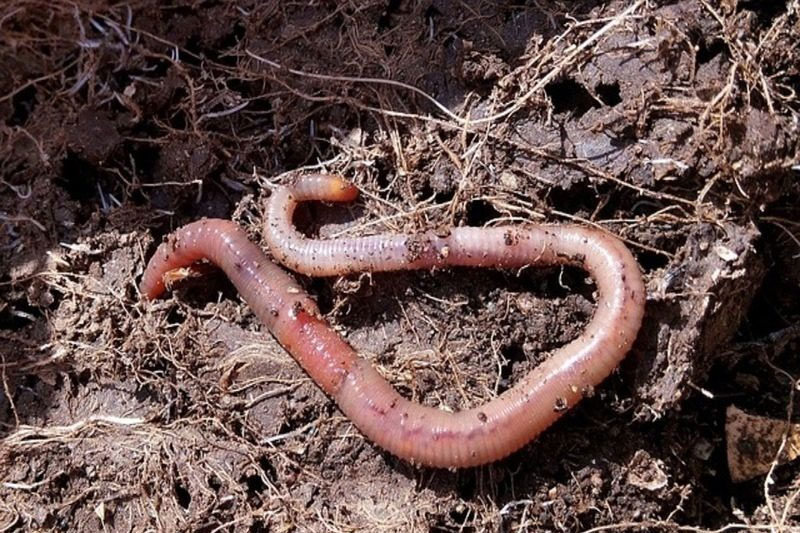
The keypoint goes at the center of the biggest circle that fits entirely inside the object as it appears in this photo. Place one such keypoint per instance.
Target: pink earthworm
(421, 434)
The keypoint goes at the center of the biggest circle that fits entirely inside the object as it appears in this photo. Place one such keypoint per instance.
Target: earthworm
(421, 434)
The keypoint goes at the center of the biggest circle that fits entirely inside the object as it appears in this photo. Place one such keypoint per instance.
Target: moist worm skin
(421, 434)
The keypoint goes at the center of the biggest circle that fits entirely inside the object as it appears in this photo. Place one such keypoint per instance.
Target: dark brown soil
(672, 124)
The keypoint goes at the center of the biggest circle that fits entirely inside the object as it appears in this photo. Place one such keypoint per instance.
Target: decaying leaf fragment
(754, 442)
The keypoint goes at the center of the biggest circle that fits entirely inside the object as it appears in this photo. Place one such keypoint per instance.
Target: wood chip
(754, 441)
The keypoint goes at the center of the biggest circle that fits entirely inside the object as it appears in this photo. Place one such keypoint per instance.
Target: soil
(673, 124)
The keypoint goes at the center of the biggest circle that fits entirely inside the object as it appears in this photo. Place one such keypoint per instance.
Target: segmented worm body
(415, 432)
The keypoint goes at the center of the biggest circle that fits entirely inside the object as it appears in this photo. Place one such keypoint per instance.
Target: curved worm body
(421, 434)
